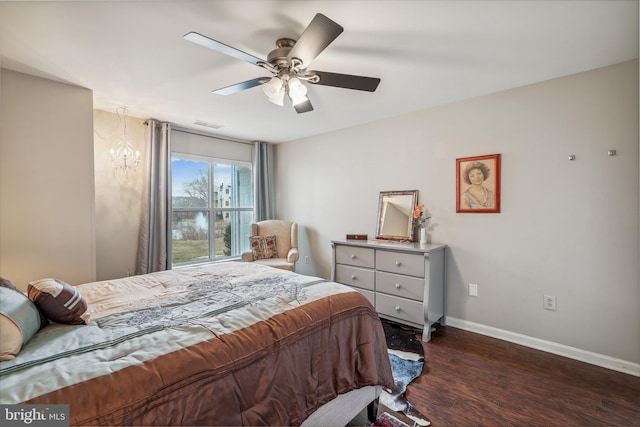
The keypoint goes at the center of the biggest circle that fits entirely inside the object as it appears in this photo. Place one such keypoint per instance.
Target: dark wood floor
(471, 380)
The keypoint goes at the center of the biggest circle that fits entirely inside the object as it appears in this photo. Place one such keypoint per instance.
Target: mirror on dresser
(395, 215)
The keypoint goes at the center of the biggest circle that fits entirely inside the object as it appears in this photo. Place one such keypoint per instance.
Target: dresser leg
(426, 332)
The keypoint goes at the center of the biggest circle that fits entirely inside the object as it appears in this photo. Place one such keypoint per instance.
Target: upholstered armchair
(279, 252)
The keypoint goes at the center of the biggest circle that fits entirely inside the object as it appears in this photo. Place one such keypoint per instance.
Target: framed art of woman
(478, 184)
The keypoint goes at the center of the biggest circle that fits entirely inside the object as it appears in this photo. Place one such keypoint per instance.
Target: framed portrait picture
(478, 184)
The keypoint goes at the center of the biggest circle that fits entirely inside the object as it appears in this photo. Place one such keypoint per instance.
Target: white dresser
(404, 281)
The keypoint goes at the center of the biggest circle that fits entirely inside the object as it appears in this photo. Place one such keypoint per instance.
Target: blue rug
(407, 360)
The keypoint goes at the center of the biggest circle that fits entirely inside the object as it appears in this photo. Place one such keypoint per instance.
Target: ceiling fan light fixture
(278, 99)
(297, 91)
(274, 88)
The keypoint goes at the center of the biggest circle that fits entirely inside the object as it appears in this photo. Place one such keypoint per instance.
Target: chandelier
(124, 157)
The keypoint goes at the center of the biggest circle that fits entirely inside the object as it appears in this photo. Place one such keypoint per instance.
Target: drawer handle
(398, 309)
(353, 256)
(398, 286)
(353, 277)
(398, 263)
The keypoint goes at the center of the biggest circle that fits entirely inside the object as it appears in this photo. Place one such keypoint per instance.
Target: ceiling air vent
(207, 124)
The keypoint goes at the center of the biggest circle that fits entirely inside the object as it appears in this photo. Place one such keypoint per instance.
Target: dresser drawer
(400, 262)
(355, 276)
(400, 308)
(400, 285)
(359, 257)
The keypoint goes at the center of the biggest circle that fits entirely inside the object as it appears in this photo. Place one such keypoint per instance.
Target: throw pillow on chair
(263, 247)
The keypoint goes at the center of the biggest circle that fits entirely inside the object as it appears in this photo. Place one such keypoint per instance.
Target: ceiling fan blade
(303, 107)
(239, 86)
(319, 34)
(347, 81)
(221, 47)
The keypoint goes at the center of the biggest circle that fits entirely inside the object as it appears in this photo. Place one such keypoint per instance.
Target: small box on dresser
(404, 281)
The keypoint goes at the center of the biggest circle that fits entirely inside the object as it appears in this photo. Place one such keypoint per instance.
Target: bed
(218, 344)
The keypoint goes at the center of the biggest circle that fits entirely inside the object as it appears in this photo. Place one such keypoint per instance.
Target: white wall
(118, 196)
(567, 228)
(46, 181)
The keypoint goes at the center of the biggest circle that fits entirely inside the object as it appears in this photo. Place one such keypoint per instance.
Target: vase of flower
(420, 221)
(423, 235)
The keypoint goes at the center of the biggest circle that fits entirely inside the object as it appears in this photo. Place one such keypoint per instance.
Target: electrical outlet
(306, 260)
(473, 290)
(549, 302)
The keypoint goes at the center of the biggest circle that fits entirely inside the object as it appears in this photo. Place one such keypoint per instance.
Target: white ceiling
(427, 53)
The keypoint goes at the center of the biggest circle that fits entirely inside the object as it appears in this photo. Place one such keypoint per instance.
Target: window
(212, 208)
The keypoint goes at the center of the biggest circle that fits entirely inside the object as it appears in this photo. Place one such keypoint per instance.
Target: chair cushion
(280, 263)
(263, 247)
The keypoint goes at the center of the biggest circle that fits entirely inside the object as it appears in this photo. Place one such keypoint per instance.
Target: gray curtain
(153, 249)
(263, 202)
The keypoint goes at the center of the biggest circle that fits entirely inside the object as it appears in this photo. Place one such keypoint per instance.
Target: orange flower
(419, 217)
(417, 211)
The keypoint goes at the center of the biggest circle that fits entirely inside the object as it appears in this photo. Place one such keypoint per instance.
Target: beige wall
(46, 181)
(118, 196)
(567, 228)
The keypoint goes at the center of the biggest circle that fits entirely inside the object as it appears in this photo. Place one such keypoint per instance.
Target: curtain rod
(194, 132)
(201, 133)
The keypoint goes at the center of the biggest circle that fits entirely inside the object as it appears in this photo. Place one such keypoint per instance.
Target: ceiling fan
(289, 64)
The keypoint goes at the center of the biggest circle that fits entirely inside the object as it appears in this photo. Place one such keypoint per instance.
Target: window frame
(211, 209)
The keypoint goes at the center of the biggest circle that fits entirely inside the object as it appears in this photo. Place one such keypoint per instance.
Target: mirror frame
(381, 204)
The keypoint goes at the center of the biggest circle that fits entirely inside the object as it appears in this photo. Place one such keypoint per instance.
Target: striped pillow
(19, 321)
(6, 283)
(59, 301)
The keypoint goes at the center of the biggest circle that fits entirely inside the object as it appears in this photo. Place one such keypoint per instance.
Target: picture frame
(478, 184)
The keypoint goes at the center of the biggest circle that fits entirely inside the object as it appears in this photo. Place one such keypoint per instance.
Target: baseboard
(601, 360)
